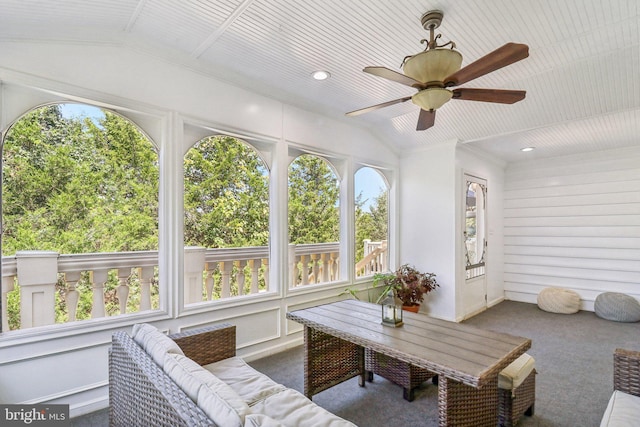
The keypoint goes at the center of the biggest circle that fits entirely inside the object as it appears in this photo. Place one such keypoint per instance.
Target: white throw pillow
(181, 369)
(216, 399)
(154, 342)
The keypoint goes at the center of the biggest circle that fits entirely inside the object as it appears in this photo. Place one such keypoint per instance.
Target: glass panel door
(475, 233)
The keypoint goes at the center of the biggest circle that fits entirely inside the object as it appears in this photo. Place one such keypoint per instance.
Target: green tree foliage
(226, 195)
(313, 201)
(75, 186)
(372, 224)
(78, 185)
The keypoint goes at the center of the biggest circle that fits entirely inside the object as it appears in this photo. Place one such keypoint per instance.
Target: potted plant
(408, 284)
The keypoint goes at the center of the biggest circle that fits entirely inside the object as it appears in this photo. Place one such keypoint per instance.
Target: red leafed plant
(409, 284)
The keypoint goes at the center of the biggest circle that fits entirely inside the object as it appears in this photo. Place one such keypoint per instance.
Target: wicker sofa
(195, 379)
(623, 409)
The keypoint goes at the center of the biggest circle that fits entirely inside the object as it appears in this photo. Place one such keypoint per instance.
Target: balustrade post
(366, 251)
(384, 256)
(304, 270)
(37, 277)
(240, 277)
(326, 269)
(210, 280)
(333, 264)
(8, 285)
(122, 290)
(72, 278)
(265, 272)
(193, 273)
(315, 268)
(367, 247)
(254, 266)
(225, 273)
(145, 275)
(98, 279)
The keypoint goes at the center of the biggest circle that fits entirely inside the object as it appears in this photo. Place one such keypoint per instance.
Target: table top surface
(462, 352)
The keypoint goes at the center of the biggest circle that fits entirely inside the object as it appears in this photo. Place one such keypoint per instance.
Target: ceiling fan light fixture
(433, 65)
(432, 98)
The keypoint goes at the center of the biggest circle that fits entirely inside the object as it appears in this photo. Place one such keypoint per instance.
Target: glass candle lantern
(391, 310)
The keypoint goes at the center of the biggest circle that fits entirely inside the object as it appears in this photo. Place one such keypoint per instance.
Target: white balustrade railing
(374, 258)
(314, 263)
(126, 282)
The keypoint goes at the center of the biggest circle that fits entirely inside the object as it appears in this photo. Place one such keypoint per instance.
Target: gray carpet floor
(574, 359)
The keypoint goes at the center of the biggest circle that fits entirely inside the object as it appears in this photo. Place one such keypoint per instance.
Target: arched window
(226, 205)
(80, 207)
(371, 222)
(314, 221)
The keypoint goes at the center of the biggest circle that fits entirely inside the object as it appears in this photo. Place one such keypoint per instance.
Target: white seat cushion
(216, 399)
(250, 384)
(623, 410)
(518, 371)
(154, 342)
(261, 420)
(292, 409)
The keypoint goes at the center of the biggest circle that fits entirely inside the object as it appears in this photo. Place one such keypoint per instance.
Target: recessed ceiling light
(526, 149)
(320, 75)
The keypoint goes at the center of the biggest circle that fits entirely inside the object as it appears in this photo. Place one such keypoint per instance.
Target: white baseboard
(279, 348)
(89, 406)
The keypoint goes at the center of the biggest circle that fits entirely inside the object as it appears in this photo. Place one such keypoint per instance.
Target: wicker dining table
(466, 359)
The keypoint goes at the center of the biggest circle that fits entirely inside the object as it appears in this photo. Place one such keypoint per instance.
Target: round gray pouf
(617, 307)
(559, 300)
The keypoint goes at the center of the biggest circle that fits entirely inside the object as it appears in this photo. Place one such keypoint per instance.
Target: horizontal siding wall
(573, 222)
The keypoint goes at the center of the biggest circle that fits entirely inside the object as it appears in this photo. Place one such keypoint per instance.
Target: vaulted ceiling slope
(582, 76)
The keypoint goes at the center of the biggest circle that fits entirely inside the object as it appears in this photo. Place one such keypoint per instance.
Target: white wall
(430, 220)
(169, 102)
(427, 222)
(573, 222)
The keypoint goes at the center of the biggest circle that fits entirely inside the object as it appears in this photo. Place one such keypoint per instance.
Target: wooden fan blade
(489, 95)
(395, 76)
(501, 57)
(426, 119)
(377, 106)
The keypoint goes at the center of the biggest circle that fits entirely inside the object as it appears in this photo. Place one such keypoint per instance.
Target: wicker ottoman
(516, 391)
(558, 300)
(404, 374)
(617, 307)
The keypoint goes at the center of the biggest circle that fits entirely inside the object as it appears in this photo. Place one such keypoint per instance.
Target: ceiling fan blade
(489, 95)
(426, 119)
(377, 106)
(395, 76)
(501, 57)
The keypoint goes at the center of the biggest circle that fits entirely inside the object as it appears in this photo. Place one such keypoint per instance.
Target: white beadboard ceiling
(582, 76)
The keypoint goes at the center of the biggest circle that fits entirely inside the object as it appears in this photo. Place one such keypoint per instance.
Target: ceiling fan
(436, 69)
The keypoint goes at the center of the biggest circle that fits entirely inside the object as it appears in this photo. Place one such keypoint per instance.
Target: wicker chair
(142, 394)
(404, 374)
(626, 371)
(624, 405)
